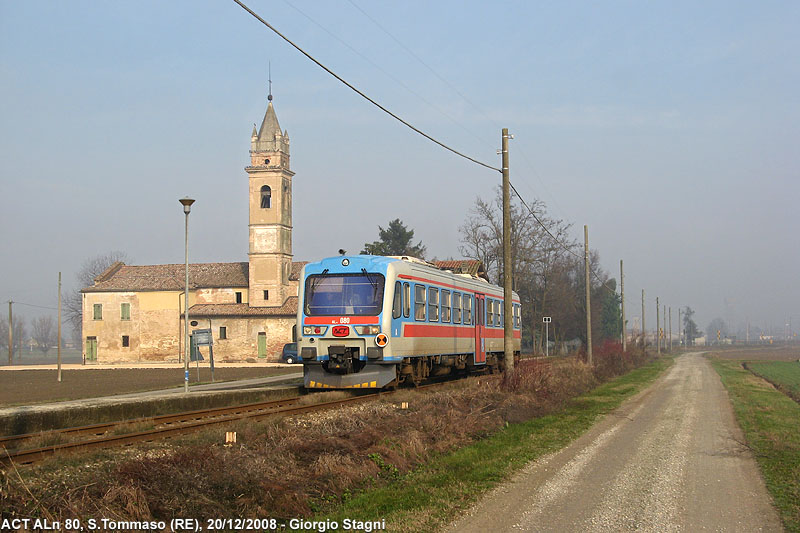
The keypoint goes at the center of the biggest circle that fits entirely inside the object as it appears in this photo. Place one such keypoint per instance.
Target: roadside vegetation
(769, 420)
(784, 375)
(444, 447)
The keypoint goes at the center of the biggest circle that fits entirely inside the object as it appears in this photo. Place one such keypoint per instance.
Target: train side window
(489, 312)
(516, 316)
(445, 306)
(456, 308)
(419, 302)
(406, 300)
(397, 305)
(467, 309)
(433, 304)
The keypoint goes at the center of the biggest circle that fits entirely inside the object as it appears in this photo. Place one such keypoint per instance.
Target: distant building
(136, 313)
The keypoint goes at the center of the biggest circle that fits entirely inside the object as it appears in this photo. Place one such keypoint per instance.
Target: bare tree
(535, 252)
(44, 332)
(91, 268)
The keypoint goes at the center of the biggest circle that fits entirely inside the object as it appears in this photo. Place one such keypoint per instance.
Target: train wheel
(419, 372)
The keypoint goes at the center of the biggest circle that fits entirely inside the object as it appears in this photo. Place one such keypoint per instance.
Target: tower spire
(270, 82)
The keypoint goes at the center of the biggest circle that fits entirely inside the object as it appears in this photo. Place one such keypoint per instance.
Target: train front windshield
(344, 294)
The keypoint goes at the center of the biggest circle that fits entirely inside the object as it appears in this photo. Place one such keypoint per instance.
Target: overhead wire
(360, 93)
(39, 306)
(387, 74)
(405, 123)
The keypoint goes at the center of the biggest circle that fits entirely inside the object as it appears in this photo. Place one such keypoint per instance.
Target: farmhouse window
(223, 332)
(266, 295)
(238, 297)
(98, 311)
(126, 341)
(125, 311)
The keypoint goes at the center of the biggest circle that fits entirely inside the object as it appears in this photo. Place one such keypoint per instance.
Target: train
(374, 322)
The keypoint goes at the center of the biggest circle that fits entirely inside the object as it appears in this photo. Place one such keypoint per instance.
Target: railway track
(101, 435)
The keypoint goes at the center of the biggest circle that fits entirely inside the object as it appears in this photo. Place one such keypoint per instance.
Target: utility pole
(664, 326)
(508, 314)
(644, 331)
(680, 330)
(658, 328)
(10, 335)
(670, 329)
(59, 327)
(622, 292)
(588, 295)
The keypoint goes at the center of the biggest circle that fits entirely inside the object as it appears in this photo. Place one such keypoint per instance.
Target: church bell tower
(270, 180)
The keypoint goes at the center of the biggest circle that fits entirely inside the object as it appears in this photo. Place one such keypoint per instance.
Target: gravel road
(669, 459)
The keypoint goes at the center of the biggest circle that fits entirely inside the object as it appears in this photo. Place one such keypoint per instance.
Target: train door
(480, 346)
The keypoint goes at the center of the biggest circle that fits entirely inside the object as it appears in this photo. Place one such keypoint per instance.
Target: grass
(769, 420)
(784, 375)
(428, 497)
(401, 449)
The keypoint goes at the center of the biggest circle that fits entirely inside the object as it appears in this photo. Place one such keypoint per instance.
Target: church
(136, 313)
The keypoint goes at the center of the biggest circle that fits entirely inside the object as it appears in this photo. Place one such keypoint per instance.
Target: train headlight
(314, 330)
(369, 330)
(381, 340)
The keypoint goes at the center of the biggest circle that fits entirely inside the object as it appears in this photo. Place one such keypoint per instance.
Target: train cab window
(501, 314)
(406, 300)
(516, 316)
(467, 309)
(489, 312)
(433, 304)
(445, 306)
(456, 308)
(397, 305)
(419, 302)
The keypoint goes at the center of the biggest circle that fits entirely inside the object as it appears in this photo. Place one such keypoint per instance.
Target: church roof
(289, 308)
(269, 126)
(120, 277)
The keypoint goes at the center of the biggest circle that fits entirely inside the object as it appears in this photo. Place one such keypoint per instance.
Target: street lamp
(187, 207)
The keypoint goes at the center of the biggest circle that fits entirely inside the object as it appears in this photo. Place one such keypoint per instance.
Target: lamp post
(187, 207)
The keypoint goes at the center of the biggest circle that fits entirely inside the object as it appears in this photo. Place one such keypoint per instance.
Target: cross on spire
(270, 82)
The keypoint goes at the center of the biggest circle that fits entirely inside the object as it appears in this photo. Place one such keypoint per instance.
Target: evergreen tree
(396, 239)
(689, 327)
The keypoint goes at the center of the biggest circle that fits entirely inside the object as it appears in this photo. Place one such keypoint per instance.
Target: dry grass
(294, 466)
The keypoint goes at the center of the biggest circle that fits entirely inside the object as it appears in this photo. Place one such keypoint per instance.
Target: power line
(387, 74)
(361, 94)
(39, 306)
(564, 246)
(415, 56)
(407, 124)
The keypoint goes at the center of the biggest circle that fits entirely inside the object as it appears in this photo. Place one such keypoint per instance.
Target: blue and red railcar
(372, 321)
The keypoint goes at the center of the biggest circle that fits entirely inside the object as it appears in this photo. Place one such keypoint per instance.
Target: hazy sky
(671, 128)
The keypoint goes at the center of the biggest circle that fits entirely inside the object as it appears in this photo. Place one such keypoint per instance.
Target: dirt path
(670, 459)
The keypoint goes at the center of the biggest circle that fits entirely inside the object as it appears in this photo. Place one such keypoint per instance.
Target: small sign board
(202, 337)
(547, 319)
